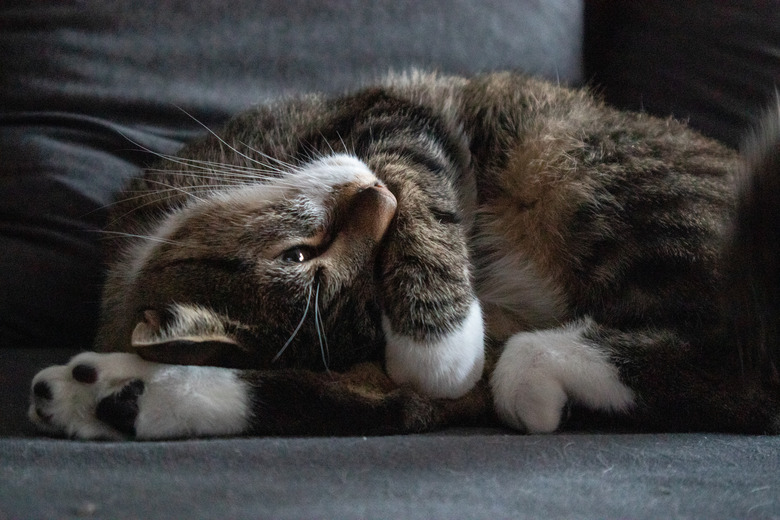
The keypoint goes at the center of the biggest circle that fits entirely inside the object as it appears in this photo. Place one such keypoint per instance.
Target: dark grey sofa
(78, 78)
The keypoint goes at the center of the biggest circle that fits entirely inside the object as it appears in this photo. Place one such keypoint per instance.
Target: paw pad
(120, 410)
(42, 390)
(86, 374)
(93, 396)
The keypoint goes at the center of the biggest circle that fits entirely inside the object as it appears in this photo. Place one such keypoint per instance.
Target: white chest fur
(514, 293)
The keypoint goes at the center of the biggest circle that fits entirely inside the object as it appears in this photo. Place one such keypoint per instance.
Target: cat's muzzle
(369, 213)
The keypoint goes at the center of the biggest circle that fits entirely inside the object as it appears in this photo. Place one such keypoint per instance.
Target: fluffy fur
(607, 268)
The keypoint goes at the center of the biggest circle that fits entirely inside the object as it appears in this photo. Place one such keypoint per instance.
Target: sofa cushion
(447, 475)
(86, 84)
(713, 63)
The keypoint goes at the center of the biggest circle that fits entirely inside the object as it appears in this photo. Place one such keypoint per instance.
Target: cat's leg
(112, 396)
(643, 379)
(432, 319)
(540, 372)
(447, 364)
(119, 396)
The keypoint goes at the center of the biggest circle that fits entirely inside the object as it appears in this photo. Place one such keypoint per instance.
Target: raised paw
(445, 368)
(539, 373)
(117, 396)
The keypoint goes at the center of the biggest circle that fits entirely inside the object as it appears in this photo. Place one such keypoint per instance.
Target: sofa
(89, 87)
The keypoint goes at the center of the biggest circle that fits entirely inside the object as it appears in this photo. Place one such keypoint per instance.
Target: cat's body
(593, 251)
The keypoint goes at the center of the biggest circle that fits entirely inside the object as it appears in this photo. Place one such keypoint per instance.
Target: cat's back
(573, 207)
(587, 210)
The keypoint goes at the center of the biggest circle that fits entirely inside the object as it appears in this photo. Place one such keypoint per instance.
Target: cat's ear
(189, 335)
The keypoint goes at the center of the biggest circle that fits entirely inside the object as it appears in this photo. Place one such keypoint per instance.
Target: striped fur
(602, 253)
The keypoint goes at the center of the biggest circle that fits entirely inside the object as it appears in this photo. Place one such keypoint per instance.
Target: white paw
(448, 367)
(539, 372)
(115, 396)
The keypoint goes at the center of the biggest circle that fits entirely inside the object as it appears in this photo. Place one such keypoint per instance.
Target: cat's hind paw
(538, 373)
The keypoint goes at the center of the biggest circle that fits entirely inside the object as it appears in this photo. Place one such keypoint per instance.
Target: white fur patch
(507, 279)
(177, 400)
(448, 367)
(538, 372)
(511, 282)
(316, 179)
(192, 401)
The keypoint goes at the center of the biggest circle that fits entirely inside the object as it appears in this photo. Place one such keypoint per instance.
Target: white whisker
(344, 145)
(215, 169)
(142, 206)
(231, 147)
(284, 167)
(219, 175)
(211, 166)
(189, 191)
(332, 151)
(221, 166)
(295, 332)
(175, 188)
(142, 237)
(321, 330)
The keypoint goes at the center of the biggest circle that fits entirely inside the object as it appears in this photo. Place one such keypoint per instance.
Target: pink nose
(370, 212)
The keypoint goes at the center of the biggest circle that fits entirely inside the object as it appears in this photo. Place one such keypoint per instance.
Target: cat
(500, 246)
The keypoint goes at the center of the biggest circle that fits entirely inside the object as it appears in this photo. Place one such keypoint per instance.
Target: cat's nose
(365, 216)
(380, 189)
(370, 212)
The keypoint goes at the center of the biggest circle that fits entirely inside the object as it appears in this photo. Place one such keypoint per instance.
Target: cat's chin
(446, 367)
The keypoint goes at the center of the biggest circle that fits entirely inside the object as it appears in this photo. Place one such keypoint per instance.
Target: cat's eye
(299, 254)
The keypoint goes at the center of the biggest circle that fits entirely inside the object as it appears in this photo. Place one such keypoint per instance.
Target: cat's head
(265, 275)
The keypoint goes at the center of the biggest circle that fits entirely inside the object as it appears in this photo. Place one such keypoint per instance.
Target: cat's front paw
(94, 396)
(447, 367)
(538, 373)
(117, 396)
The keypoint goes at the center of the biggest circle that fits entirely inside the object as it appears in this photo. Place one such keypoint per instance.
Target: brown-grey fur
(622, 217)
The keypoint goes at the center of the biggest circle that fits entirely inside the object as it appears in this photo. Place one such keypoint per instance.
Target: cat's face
(271, 275)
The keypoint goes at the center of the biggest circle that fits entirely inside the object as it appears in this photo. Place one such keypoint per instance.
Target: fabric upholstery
(85, 84)
(457, 474)
(89, 88)
(713, 63)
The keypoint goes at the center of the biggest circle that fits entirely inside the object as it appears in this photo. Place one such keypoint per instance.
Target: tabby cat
(600, 268)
